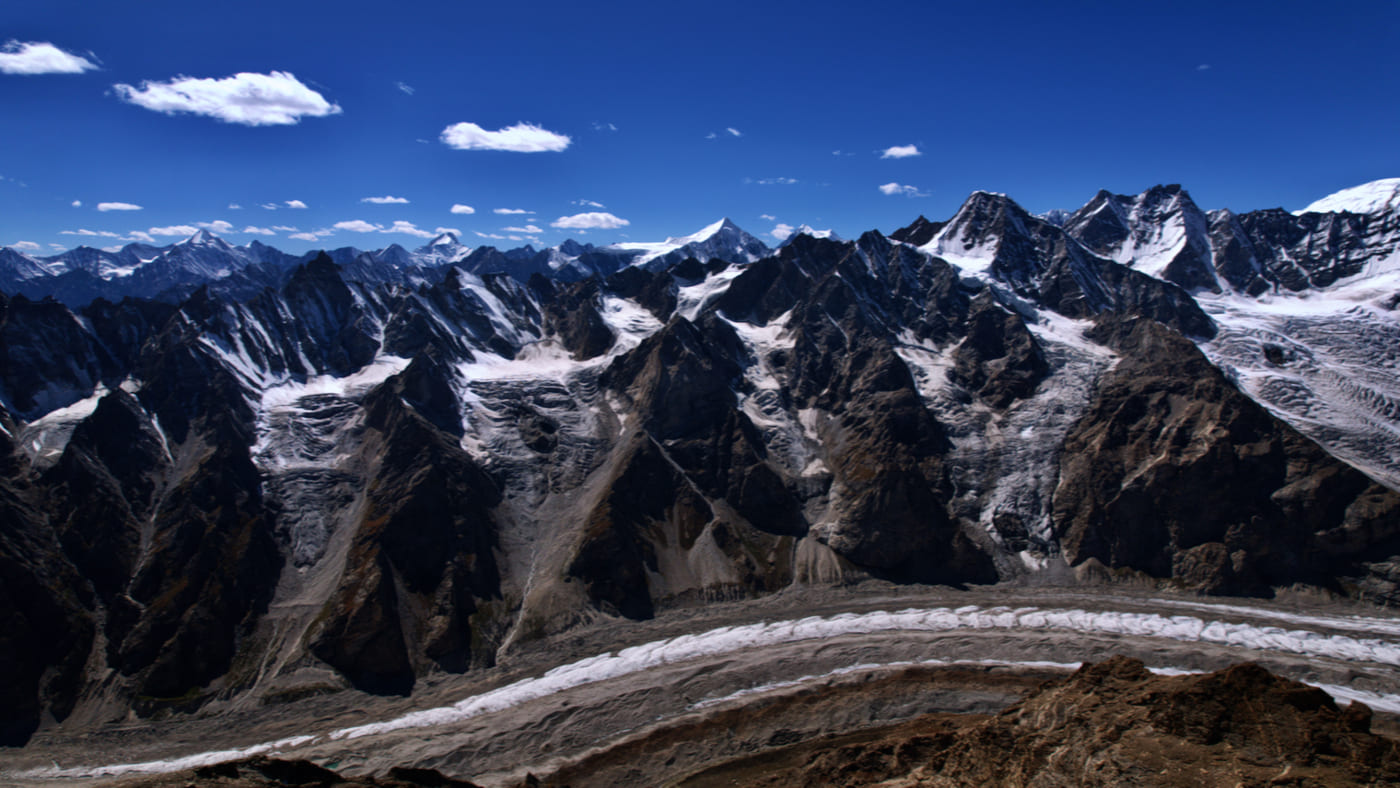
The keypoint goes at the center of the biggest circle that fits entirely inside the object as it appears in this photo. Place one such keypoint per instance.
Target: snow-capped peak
(201, 237)
(1380, 196)
(445, 239)
(723, 239)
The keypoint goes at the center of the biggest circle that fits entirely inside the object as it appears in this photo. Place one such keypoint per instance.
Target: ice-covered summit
(1374, 197)
(723, 239)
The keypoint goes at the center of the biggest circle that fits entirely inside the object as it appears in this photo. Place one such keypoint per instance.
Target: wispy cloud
(604, 126)
(174, 229)
(295, 204)
(589, 204)
(896, 188)
(251, 230)
(217, 226)
(520, 138)
(589, 221)
(385, 200)
(489, 236)
(91, 233)
(453, 230)
(711, 136)
(357, 226)
(783, 231)
(40, 57)
(284, 229)
(405, 88)
(26, 246)
(528, 229)
(772, 181)
(460, 208)
(1203, 67)
(269, 206)
(117, 206)
(77, 203)
(901, 152)
(768, 217)
(275, 99)
(305, 236)
(233, 206)
(510, 211)
(734, 131)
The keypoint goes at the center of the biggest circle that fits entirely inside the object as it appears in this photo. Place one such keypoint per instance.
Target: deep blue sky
(1248, 105)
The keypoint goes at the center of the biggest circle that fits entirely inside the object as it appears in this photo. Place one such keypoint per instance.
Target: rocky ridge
(353, 481)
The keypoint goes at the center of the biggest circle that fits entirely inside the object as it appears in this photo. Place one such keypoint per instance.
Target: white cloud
(528, 229)
(113, 249)
(275, 99)
(589, 204)
(520, 138)
(77, 203)
(305, 236)
(604, 126)
(774, 181)
(768, 217)
(233, 206)
(269, 206)
(491, 236)
(711, 136)
(734, 131)
(385, 200)
(57, 247)
(901, 152)
(176, 229)
(453, 230)
(295, 204)
(27, 246)
(284, 228)
(589, 221)
(358, 226)
(218, 226)
(407, 228)
(117, 206)
(90, 233)
(143, 237)
(251, 230)
(460, 208)
(510, 211)
(895, 188)
(405, 88)
(40, 57)
(783, 231)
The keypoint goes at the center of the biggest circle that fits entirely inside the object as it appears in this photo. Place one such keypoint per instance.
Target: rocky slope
(339, 479)
(1113, 723)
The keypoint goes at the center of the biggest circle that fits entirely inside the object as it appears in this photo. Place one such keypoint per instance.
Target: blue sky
(771, 113)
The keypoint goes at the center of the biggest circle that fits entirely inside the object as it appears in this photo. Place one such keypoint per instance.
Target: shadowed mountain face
(342, 478)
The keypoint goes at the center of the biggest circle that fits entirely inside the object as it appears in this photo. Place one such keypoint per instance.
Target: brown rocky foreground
(1111, 723)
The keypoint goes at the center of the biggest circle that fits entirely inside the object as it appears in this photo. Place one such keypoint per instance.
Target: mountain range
(229, 474)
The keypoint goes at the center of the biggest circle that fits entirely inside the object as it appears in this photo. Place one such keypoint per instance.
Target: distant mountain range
(171, 273)
(243, 474)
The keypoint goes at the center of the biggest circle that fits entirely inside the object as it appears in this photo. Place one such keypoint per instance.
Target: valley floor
(806, 663)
